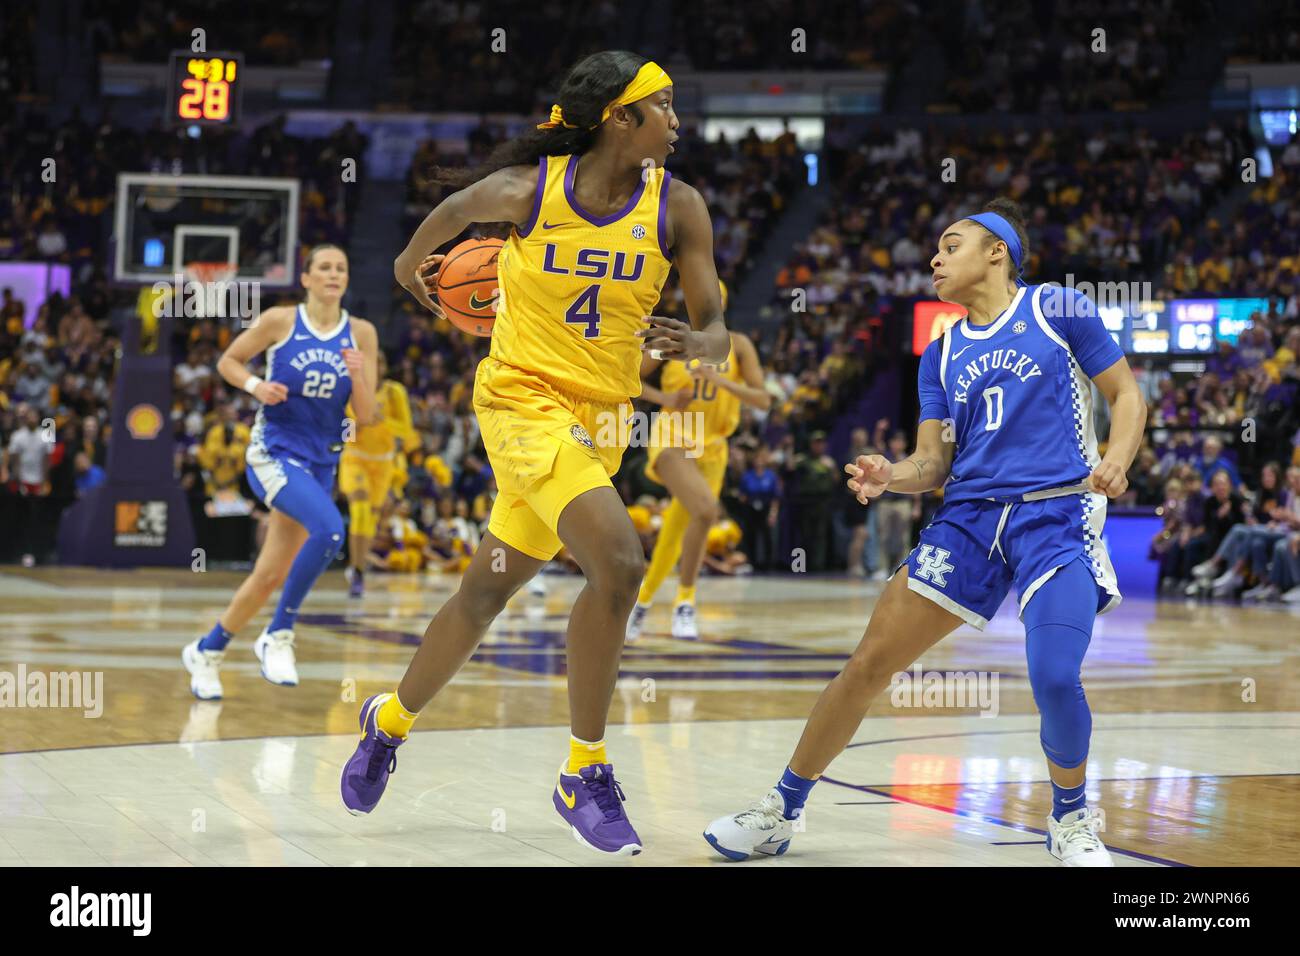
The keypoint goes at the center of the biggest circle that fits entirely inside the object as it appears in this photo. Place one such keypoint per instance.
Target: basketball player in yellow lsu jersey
(597, 225)
(368, 469)
(692, 465)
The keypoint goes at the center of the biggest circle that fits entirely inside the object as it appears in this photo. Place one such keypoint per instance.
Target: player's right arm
(926, 468)
(504, 196)
(270, 327)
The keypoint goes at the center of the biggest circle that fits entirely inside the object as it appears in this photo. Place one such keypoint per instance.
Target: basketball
(467, 285)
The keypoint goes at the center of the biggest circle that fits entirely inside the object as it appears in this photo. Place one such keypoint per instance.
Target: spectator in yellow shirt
(222, 455)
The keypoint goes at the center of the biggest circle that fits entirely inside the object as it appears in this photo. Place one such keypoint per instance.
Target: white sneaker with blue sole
(205, 670)
(275, 650)
(763, 828)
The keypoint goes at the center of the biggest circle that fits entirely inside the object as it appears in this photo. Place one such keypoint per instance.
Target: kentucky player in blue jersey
(317, 357)
(1006, 431)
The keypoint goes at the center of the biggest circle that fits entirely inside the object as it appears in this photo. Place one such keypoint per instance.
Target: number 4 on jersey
(586, 311)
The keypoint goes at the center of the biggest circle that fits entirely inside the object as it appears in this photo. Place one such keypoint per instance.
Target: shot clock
(205, 89)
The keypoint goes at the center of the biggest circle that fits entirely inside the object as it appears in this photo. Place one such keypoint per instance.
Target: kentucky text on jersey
(1018, 395)
(1023, 367)
(311, 356)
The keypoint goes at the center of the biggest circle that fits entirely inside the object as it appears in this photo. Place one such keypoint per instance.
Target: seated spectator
(1212, 460)
(1251, 548)
(1170, 541)
(1284, 573)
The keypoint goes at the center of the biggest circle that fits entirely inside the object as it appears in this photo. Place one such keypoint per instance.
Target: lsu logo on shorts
(580, 435)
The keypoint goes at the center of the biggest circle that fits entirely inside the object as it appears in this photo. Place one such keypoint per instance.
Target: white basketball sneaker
(636, 622)
(684, 622)
(1073, 839)
(762, 828)
(205, 670)
(275, 650)
(1226, 583)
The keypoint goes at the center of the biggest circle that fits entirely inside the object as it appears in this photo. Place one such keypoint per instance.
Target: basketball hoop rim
(206, 272)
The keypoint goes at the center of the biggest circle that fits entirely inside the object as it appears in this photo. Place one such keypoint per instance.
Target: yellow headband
(651, 78)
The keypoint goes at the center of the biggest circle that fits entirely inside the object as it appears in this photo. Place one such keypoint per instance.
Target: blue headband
(1006, 232)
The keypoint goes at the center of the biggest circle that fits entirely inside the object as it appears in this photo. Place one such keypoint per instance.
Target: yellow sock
(686, 595)
(583, 753)
(668, 548)
(394, 719)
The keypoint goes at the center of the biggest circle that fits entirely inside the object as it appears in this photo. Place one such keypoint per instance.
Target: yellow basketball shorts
(712, 464)
(546, 448)
(373, 477)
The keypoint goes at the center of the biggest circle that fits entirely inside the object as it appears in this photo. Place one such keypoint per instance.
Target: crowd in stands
(278, 34)
(1030, 56)
(1112, 204)
(842, 35)
(1035, 56)
(1104, 204)
(1274, 38)
(490, 55)
(1221, 459)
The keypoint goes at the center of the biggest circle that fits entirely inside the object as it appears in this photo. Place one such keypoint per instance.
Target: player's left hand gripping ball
(1108, 479)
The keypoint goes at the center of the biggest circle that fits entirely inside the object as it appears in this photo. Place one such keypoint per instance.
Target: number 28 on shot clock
(205, 88)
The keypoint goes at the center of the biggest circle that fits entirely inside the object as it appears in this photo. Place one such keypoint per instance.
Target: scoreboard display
(930, 319)
(205, 89)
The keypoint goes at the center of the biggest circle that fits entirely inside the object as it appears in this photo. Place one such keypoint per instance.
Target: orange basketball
(467, 285)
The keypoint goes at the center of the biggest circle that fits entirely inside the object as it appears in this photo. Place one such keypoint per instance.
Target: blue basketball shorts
(972, 552)
(270, 471)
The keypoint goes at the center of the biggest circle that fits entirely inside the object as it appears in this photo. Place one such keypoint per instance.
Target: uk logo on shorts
(580, 435)
(932, 564)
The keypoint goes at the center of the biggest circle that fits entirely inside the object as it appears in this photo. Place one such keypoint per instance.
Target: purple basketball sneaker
(365, 775)
(591, 802)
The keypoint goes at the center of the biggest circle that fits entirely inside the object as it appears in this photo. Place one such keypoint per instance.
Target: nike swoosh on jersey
(553, 225)
(299, 338)
(956, 355)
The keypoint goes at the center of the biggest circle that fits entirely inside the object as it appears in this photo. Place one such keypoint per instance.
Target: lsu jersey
(380, 441)
(309, 423)
(575, 288)
(1018, 393)
(720, 408)
(723, 537)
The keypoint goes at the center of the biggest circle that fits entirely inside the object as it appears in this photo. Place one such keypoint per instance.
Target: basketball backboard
(163, 223)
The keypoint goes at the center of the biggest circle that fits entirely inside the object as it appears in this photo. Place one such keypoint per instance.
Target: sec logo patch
(580, 435)
(1019, 327)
